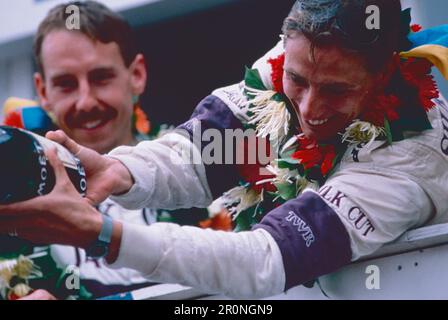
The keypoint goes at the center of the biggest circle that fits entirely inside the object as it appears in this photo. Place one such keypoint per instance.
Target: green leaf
(286, 190)
(279, 97)
(388, 132)
(287, 154)
(336, 160)
(287, 163)
(252, 79)
(244, 220)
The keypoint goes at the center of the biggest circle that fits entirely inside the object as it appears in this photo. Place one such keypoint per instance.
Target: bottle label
(73, 166)
(63, 154)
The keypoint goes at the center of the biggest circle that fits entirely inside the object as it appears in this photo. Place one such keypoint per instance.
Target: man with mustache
(89, 82)
(343, 110)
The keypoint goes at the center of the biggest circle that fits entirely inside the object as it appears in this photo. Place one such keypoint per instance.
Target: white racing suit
(375, 194)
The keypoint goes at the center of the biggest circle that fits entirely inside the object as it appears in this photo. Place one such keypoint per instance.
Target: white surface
(417, 274)
(20, 18)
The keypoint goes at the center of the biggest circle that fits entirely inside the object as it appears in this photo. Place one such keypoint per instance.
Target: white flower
(22, 267)
(282, 175)
(303, 183)
(270, 117)
(239, 199)
(362, 132)
(6, 272)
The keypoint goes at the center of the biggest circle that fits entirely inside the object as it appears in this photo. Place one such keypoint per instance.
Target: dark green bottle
(25, 171)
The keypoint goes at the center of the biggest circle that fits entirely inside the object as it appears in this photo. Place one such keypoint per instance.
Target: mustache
(78, 118)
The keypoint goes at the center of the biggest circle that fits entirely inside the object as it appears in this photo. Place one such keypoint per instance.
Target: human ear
(39, 83)
(138, 74)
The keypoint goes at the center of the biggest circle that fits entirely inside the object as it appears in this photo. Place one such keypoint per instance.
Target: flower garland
(304, 163)
(15, 275)
(140, 120)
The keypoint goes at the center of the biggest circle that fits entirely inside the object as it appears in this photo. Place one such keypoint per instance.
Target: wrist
(123, 180)
(106, 239)
(114, 247)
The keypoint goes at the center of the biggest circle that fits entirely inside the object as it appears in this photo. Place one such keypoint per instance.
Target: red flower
(14, 119)
(221, 221)
(416, 27)
(413, 70)
(310, 154)
(416, 72)
(308, 157)
(427, 92)
(253, 172)
(382, 106)
(277, 72)
(142, 123)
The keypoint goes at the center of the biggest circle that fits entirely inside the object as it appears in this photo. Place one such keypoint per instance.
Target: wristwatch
(100, 248)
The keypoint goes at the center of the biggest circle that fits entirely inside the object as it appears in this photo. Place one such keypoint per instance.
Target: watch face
(98, 250)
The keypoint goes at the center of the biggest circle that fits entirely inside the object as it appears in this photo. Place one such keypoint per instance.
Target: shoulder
(418, 162)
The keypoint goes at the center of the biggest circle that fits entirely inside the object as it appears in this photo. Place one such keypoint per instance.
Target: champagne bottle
(25, 171)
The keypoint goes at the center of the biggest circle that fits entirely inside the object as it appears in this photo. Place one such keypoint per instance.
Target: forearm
(163, 177)
(242, 265)
(123, 179)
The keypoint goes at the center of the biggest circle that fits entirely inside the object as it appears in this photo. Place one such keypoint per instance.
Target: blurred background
(192, 46)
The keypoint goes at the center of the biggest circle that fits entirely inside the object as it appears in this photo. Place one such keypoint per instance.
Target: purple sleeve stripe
(312, 239)
(213, 113)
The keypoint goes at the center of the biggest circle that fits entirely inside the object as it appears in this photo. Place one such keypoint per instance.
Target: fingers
(59, 169)
(60, 137)
(39, 295)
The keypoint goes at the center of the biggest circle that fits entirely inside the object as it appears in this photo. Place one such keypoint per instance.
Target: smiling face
(327, 92)
(88, 89)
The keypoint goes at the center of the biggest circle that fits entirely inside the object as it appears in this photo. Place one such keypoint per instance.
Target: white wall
(20, 18)
(16, 77)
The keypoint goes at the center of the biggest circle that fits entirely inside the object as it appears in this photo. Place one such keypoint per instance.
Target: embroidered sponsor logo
(355, 151)
(235, 96)
(354, 214)
(302, 227)
(444, 114)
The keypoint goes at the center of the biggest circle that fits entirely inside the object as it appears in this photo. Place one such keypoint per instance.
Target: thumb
(59, 169)
(60, 137)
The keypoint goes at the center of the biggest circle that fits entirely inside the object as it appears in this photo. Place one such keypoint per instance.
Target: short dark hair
(97, 22)
(343, 23)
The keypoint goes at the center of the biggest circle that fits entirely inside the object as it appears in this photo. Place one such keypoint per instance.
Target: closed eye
(298, 80)
(65, 82)
(101, 76)
(336, 90)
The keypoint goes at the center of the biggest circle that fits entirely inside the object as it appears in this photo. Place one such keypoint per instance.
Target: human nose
(86, 99)
(312, 106)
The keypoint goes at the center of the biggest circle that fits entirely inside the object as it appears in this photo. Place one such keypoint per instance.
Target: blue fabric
(437, 35)
(213, 113)
(312, 239)
(36, 119)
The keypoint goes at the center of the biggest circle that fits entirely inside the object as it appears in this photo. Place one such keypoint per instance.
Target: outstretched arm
(105, 175)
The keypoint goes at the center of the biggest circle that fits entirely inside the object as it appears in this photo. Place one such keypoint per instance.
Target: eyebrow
(340, 84)
(60, 77)
(63, 75)
(110, 70)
